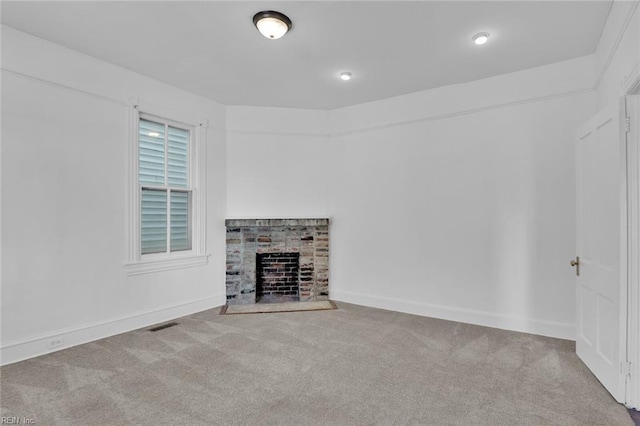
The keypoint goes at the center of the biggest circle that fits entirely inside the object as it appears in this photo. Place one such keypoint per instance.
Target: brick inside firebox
(277, 277)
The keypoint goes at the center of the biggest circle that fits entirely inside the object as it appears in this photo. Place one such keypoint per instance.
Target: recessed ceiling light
(346, 75)
(480, 38)
(272, 24)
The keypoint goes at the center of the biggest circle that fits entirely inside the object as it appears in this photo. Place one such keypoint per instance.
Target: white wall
(279, 161)
(64, 200)
(456, 202)
(468, 218)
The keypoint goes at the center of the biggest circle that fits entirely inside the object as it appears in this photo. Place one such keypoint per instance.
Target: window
(167, 209)
(165, 187)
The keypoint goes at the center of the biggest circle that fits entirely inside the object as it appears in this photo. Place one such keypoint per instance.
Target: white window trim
(142, 264)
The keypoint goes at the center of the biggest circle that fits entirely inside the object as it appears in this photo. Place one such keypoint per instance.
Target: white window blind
(165, 192)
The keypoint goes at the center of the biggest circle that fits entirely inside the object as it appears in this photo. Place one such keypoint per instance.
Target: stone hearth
(300, 274)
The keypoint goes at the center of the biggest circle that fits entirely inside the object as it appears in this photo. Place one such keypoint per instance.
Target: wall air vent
(163, 326)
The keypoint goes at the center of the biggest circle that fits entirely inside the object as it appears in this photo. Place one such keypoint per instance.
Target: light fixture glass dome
(481, 38)
(271, 24)
(346, 75)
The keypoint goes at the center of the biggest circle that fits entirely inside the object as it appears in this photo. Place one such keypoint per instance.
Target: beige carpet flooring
(350, 366)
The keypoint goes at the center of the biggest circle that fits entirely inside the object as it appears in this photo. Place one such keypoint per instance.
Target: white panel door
(601, 180)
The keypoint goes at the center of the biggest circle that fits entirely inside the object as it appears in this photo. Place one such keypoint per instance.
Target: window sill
(150, 266)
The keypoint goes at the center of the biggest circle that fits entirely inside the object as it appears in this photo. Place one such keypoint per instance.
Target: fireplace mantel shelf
(277, 222)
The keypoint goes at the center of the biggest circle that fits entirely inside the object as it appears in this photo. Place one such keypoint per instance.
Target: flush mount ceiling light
(480, 38)
(346, 75)
(271, 24)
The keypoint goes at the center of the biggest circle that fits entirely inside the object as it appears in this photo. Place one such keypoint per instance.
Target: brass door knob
(576, 263)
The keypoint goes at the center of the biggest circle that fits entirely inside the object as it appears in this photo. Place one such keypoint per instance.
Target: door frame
(631, 103)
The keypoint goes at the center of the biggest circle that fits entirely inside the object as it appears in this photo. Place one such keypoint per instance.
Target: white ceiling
(211, 48)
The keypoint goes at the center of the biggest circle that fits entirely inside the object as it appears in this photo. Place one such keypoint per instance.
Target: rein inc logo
(6, 420)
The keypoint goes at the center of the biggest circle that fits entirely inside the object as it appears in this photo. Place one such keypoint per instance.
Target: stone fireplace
(277, 260)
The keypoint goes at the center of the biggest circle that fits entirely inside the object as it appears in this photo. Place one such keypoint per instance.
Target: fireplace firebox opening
(277, 277)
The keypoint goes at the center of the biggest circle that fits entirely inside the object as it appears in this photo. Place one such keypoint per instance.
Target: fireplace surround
(297, 255)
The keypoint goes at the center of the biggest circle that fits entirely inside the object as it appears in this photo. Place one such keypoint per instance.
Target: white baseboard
(487, 319)
(32, 347)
